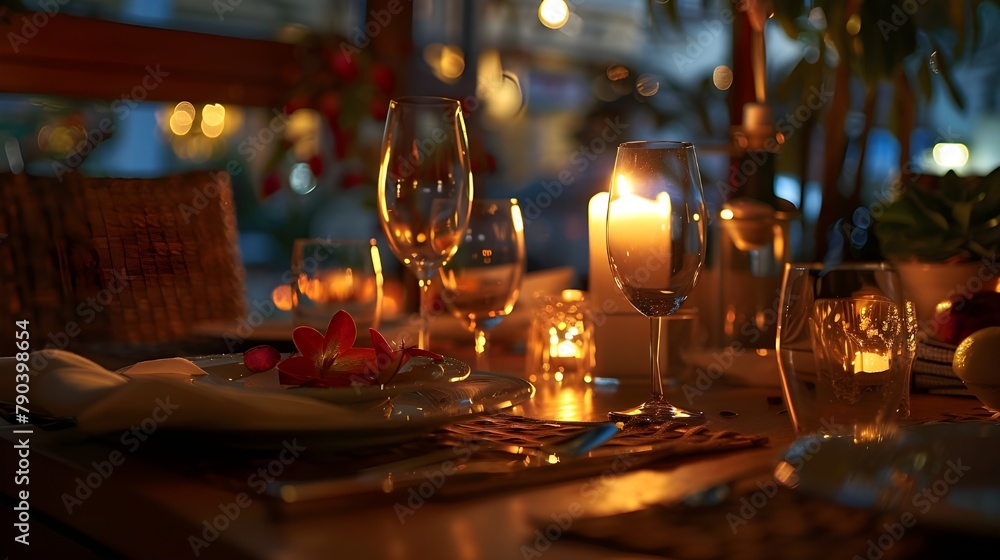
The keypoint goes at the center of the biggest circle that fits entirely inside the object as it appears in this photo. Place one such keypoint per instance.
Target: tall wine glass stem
(424, 333)
(482, 347)
(656, 355)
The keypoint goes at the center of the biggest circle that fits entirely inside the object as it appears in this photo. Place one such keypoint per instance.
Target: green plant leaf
(924, 206)
(961, 213)
(986, 195)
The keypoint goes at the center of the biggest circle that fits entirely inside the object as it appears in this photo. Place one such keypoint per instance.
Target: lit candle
(604, 294)
(870, 362)
(642, 231)
(339, 285)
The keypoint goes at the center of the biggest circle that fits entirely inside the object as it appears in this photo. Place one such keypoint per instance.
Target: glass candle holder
(560, 346)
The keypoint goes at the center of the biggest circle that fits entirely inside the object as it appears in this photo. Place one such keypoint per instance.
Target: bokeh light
(553, 13)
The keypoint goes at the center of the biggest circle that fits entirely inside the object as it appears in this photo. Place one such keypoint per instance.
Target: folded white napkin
(160, 391)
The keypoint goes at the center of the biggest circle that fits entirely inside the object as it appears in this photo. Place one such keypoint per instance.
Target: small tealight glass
(845, 347)
(560, 345)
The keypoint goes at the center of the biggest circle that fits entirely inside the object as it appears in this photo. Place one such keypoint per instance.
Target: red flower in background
(316, 165)
(272, 184)
(383, 78)
(343, 65)
(352, 179)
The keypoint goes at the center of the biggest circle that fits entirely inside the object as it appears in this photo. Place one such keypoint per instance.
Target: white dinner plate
(228, 370)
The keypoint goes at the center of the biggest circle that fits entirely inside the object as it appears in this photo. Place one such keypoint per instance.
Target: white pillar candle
(604, 294)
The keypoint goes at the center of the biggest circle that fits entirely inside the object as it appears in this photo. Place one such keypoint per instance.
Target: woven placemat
(518, 430)
(629, 450)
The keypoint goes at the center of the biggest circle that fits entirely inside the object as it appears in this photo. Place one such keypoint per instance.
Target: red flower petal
(340, 333)
(296, 370)
(261, 358)
(387, 362)
(309, 342)
(379, 342)
(355, 360)
(414, 351)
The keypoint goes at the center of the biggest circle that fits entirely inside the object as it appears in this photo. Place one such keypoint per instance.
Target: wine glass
(480, 283)
(425, 187)
(656, 246)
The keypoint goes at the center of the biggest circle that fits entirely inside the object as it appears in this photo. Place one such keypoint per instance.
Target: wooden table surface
(145, 509)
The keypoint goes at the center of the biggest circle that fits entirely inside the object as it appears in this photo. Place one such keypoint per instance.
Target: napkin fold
(64, 384)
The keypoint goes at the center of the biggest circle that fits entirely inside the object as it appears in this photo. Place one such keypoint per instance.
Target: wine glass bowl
(656, 240)
(425, 187)
(481, 282)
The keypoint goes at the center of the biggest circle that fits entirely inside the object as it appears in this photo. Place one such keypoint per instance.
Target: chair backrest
(130, 260)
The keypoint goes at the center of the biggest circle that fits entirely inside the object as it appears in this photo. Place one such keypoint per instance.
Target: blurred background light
(553, 13)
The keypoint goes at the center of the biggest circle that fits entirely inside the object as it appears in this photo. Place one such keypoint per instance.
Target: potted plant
(943, 234)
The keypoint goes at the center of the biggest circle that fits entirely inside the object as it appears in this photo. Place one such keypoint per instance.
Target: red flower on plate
(330, 360)
(388, 361)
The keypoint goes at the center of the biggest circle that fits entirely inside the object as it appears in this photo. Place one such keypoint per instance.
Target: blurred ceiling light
(301, 179)
(950, 155)
(722, 77)
(617, 72)
(303, 133)
(210, 130)
(447, 62)
(181, 118)
(553, 13)
(213, 120)
(185, 107)
(452, 62)
(214, 115)
(647, 85)
(507, 100)
(854, 24)
(490, 73)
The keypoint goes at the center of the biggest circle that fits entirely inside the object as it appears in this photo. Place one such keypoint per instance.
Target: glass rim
(655, 145)
(302, 241)
(860, 265)
(426, 100)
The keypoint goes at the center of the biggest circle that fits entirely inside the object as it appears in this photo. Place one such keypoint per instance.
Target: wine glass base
(657, 412)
